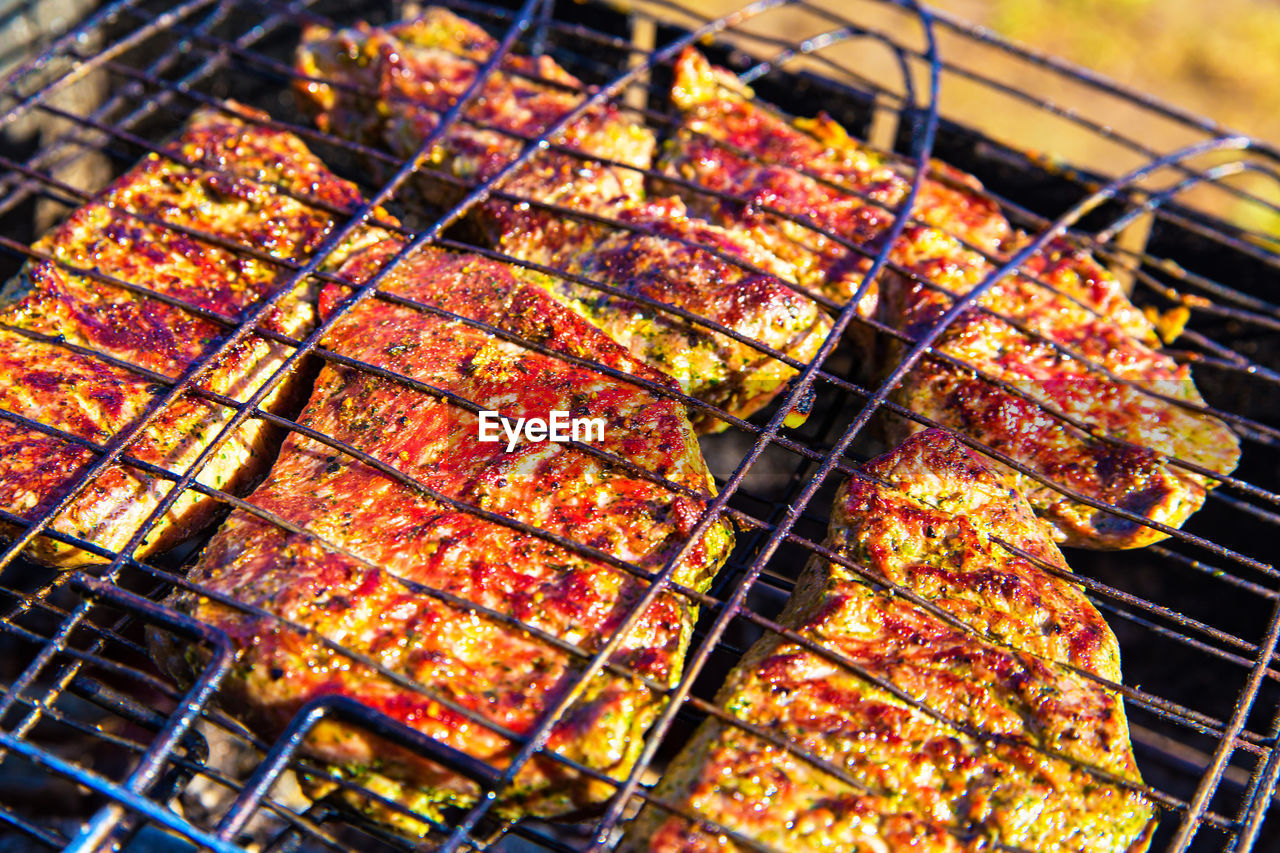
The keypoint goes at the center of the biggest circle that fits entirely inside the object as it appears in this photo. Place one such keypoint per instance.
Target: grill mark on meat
(128, 232)
(922, 517)
(811, 168)
(505, 674)
(421, 66)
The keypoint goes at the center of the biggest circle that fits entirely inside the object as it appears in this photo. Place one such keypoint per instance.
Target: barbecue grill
(101, 752)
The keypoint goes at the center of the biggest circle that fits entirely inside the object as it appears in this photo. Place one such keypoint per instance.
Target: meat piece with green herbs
(397, 83)
(969, 722)
(635, 495)
(1129, 402)
(179, 225)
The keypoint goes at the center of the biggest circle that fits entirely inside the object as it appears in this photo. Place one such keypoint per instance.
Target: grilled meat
(988, 657)
(396, 82)
(1135, 475)
(405, 76)
(813, 170)
(495, 668)
(677, 259)
(797, 182)
(230, 181)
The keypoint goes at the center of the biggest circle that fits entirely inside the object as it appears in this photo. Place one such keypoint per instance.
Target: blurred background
(1219, 60)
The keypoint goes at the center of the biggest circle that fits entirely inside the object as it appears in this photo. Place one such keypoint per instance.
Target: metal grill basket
(101, 751)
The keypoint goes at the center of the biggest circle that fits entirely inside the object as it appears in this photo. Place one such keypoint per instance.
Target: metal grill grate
(130, 759)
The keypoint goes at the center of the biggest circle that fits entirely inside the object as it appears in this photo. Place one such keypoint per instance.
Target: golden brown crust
(419, 67)
(934, 518)
(676, 259)
(501, 672)
(130, 232)
(406, 75)
(813, 169)
(922, 517)
(1137, 477)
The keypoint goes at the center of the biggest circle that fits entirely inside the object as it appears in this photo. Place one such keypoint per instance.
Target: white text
(559, 427)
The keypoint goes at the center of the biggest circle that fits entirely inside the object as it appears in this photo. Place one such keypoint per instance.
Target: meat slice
(169, 226)
(397, 82)
(677, 259)
(813, 170)
(987, 657)
(495, 666)
(393, 84)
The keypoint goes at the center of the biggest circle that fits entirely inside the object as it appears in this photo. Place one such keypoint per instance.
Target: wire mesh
(141, 764)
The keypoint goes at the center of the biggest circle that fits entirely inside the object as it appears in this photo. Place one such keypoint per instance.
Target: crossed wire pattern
(142, 762)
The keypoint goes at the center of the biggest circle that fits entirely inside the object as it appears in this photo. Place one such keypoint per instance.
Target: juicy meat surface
(987, 658)
(227, 179)
(501, 671)
(677, 259)
(812, 169)
(396, 82)
(408, 74)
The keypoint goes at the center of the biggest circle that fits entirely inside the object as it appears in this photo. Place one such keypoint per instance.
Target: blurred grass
(1220, 59)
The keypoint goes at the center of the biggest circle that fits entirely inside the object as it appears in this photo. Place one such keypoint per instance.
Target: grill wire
(100, 750)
